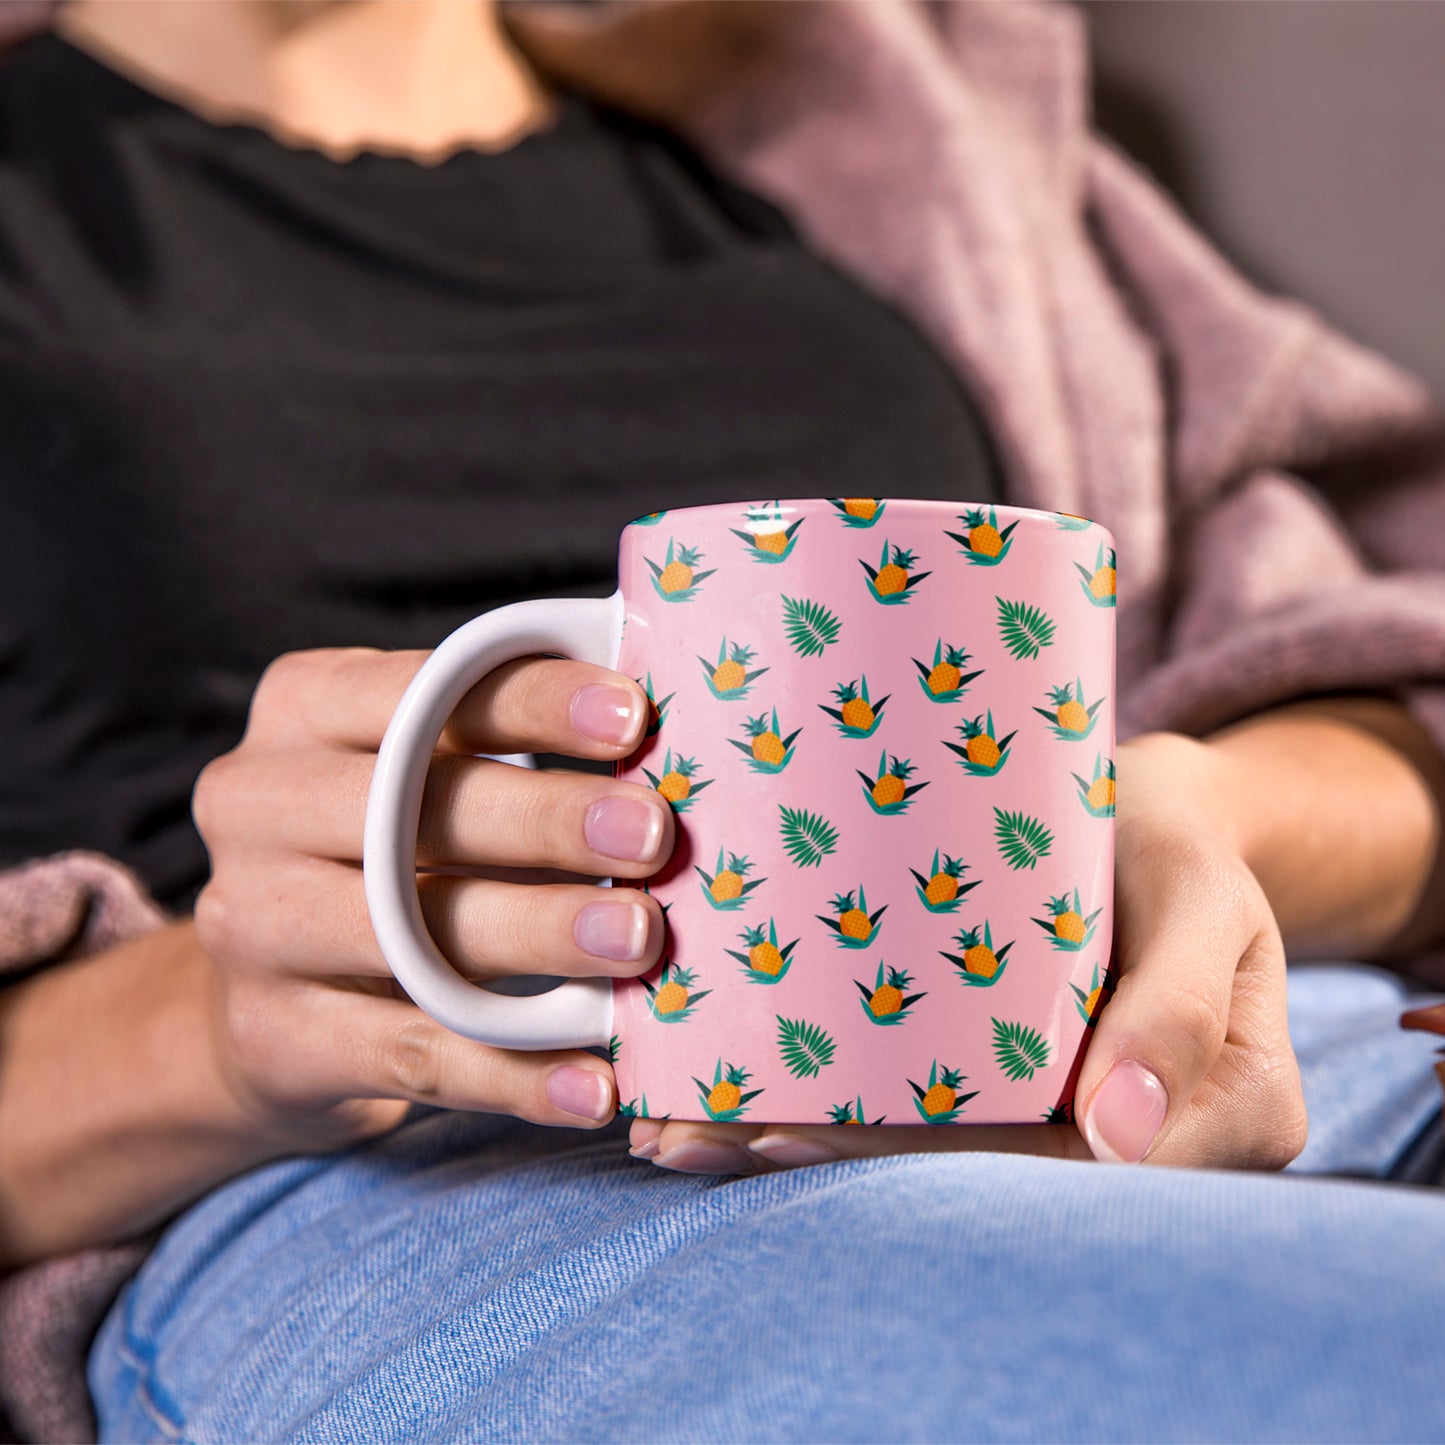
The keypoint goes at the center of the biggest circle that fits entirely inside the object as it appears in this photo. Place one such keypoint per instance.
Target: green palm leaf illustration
(1023, 627)
(805, 1047)
(809, 625)
(1019, 1049)
(807, 837)
(1022, 840)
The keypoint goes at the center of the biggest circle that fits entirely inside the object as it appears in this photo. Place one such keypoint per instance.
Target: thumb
(1162, 1032)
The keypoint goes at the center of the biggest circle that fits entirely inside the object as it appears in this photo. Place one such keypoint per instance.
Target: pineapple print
(1072, 522)
(724, 1100)
(676, 580)
(632, 1109)
(728, 678)
(940, 1102)
(656, 711)
(1068, 929)
(1101, 583)
(854, 926)
(890, 793)
(983, 753)
(979, 965)
(725, 888)
(767, 537)
(858, 511)
(893, 582)
(672, 999)
(942, 891)
(648, 519)
(1069, 717)
(983, 544)
(1090, 1004)
(945, 681)
(852, 1114)
(767, 752)
(888, 1001)
(676, 783)
(1097, 795)
(857, 715)
(764, 962)
(1059, 1113)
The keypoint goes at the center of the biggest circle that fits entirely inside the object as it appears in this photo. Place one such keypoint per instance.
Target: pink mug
(887, 731)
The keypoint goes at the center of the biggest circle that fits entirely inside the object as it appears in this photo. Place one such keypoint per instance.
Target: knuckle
(410, 1064)
(1198, 1020)
(210, 794)
(214, 922)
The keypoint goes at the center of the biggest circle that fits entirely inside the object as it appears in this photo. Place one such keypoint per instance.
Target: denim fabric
(472, 1278)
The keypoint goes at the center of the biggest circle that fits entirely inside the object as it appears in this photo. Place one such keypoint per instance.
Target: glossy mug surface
(886, 728)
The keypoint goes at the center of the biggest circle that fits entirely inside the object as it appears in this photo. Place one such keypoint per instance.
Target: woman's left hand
(1190, 1062)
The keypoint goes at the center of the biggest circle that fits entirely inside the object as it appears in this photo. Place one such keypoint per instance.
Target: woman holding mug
(334, 325)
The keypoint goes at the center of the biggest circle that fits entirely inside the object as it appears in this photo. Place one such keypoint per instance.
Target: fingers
(1192, 1028)
(313, 921)
(315, 1047)
(474, 811)
(344, 698)
(698, 1148)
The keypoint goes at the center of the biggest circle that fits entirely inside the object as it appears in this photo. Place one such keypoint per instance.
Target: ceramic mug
(887, 730)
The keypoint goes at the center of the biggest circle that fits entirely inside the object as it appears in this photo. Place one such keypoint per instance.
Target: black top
(253, 400)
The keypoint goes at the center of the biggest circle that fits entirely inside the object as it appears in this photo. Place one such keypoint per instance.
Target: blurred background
(1306, 138)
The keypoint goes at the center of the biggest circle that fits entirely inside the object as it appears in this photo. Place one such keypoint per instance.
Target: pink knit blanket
(1277, 493)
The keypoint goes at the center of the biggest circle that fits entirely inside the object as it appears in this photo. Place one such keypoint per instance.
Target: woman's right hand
(314, 1037)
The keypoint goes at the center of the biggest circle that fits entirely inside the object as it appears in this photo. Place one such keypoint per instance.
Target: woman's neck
(418, 77)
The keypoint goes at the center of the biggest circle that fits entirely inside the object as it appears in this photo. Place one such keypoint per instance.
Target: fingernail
(792, 1152)
(1125, 1114)
(624, 828)
(612, 930)
(646, 1151)
(604, 713)
(580, 1092)
(706, 1156)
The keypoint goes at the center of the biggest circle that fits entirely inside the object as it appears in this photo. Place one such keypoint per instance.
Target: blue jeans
(472, 1278)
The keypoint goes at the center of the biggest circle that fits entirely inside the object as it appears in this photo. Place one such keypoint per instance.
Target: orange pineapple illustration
(945, 680)
(854, 926)
(980, 965)
(724, 1100)
(728, 678)
(648, 519)
(673, 999)
(764, 962)
(890, 792)
(1097, 795)
(856, 715)
(1070, 718)
(1090, 1004)
(942, 891)
(983, 753)
(983, 544)
(1068, 929)
(768, 752)
(1100, 584)
(677, 579)
(858, 511)
(676, 782)
(939, 1102)
(1072, 522)
(893, 582)
(769, 538)
(725, 887)
(632, 1109)
(656, 711)
(852, 1114)
(888, 1001)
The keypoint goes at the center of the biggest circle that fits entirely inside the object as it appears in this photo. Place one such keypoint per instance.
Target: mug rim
(805, 505)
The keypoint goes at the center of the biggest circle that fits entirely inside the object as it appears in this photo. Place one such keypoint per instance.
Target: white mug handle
(576, 1014)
